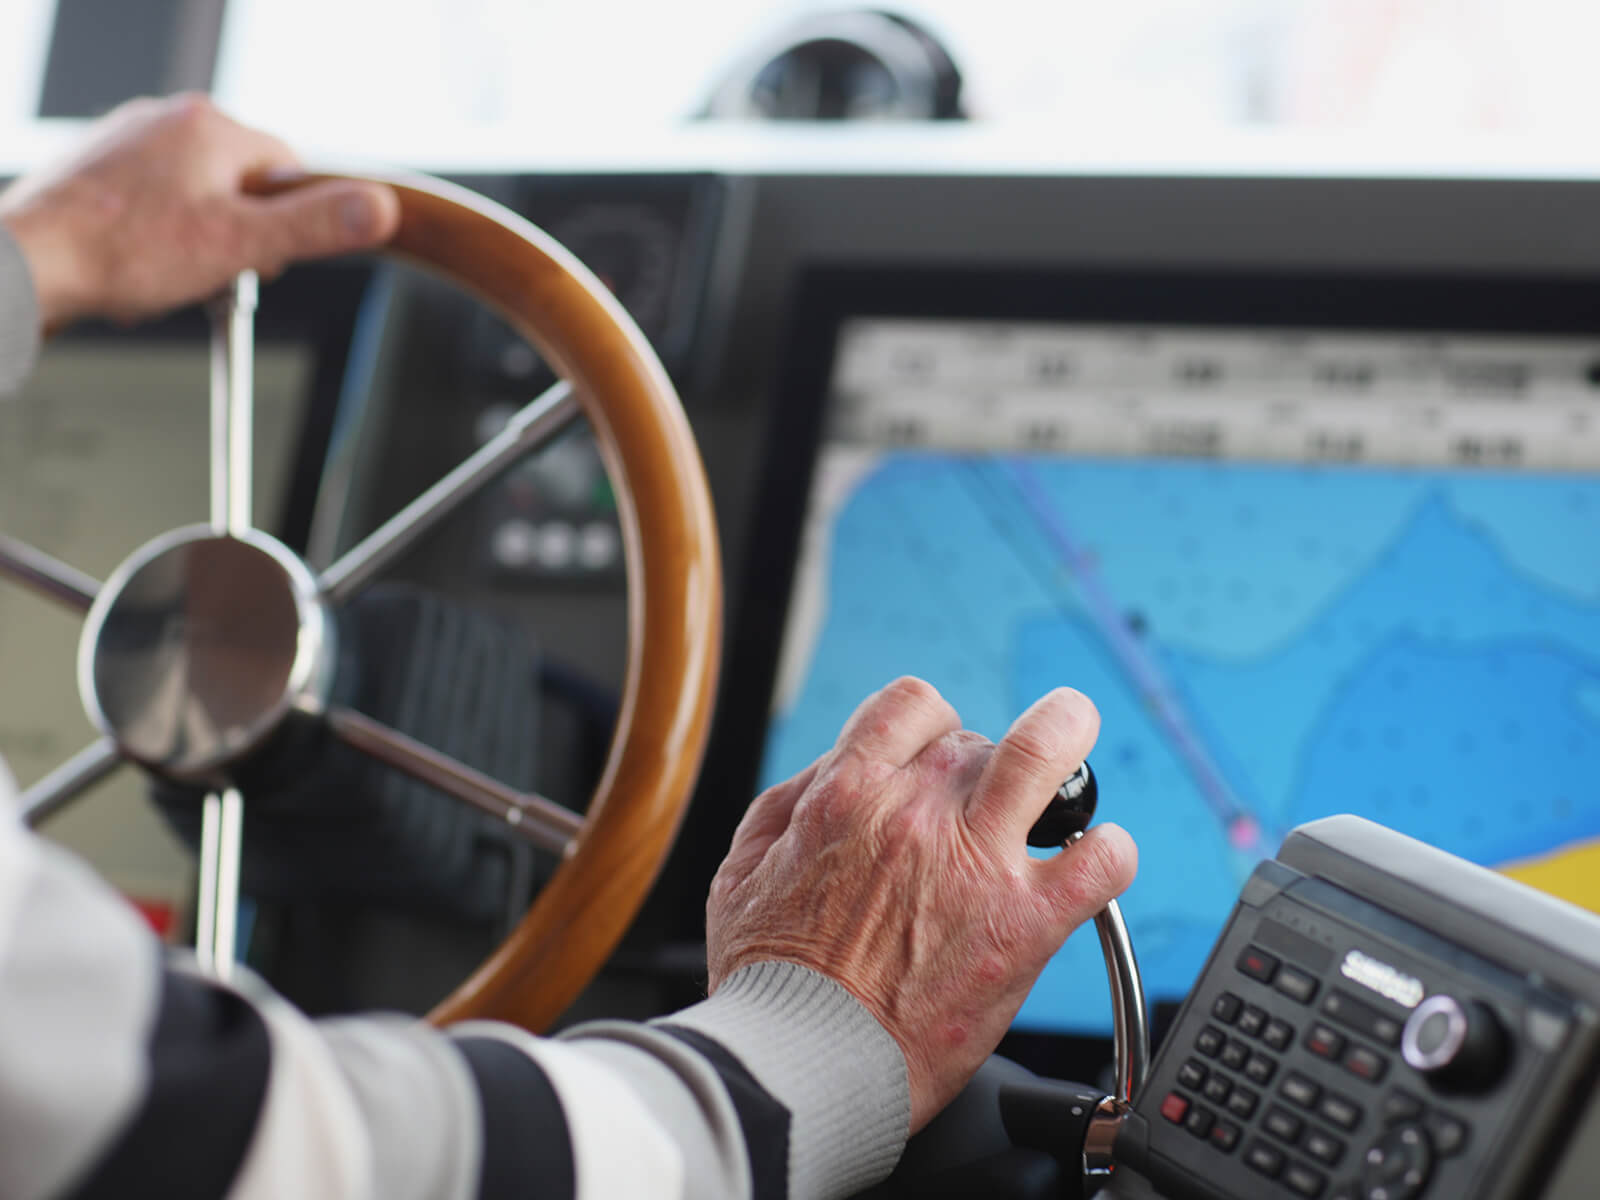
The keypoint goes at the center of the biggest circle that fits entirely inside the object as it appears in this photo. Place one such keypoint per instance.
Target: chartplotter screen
(1301, 571)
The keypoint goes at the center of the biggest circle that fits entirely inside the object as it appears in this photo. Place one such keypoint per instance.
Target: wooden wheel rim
(674, 589)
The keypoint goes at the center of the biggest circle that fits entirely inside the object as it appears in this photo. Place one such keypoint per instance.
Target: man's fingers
(1087, 873)
(762, 824)
(769, 813)
(1044, 746)
(893, 725)
(334, 217)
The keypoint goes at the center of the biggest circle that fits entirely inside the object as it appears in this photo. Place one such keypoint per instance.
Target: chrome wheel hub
(199, 646)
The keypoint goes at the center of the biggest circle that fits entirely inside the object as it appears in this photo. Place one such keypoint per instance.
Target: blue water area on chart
(1266, 643)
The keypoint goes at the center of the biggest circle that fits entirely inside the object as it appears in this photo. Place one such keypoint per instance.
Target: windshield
(527, 78)
(1066, 70)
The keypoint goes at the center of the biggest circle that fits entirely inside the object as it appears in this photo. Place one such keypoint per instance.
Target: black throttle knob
(1069, 812)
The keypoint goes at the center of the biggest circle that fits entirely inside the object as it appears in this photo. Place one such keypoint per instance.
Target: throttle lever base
(1073, 1124)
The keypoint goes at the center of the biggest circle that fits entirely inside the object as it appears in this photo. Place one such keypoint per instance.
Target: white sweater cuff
(19, 315)
(817, 1050)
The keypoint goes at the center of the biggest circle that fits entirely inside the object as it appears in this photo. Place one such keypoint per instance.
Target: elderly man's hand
(897, 864)
(152, 213)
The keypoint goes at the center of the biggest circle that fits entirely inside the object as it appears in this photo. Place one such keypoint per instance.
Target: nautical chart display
(1299, 572)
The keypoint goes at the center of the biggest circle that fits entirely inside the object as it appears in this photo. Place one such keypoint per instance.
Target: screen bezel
(827, 296)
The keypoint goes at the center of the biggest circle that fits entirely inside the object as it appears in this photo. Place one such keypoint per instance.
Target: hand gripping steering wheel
(213, 643)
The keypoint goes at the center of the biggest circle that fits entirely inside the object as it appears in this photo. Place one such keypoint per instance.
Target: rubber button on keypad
(1192, 1075)
(1323, 1147)
(1446, 1133)
(1242, 1103)
(1362, 1017)
(1296, 985)
(1400, 1106)
(1264, 1158)
(1252, 1021)
(1257, 963)
(1199, 1121)
(1303, 1180)
(1225, 1008)
(1336, 1110)
(1209, 1040)
(1282, 1124)
(1260, 1069)
(1300, 1090)
(1235, 1054)
(1218, 1089)
(1279, 1035)
(1325, 1042)
(1225, 1136)
(1365, 1064)
(1174, 1107)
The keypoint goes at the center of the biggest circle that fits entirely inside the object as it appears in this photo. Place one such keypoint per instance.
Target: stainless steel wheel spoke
(232, 453)
(77, 775)
(543, 822)
(217, 905)
(536, 424)
(49, 577)
(232, 402)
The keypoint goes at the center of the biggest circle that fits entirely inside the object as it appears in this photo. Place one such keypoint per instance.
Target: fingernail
(359, 215)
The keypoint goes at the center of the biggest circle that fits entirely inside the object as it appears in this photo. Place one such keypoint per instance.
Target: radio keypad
(1304, 1138)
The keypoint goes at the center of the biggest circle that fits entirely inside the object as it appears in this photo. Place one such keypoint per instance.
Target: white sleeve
(19, 315)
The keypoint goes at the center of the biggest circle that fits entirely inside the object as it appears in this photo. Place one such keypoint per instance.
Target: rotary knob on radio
(1457, 1044)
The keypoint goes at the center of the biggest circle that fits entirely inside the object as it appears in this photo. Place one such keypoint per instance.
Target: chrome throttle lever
(1062, 823)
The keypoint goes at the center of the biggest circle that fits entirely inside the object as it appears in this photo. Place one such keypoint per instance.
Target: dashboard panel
(716, 267)
(1369, 258)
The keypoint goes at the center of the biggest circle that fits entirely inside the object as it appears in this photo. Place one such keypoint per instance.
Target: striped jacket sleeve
(124, 1073)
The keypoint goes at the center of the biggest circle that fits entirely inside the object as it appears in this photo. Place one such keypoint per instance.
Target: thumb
(1088, 872)
(334, 217)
